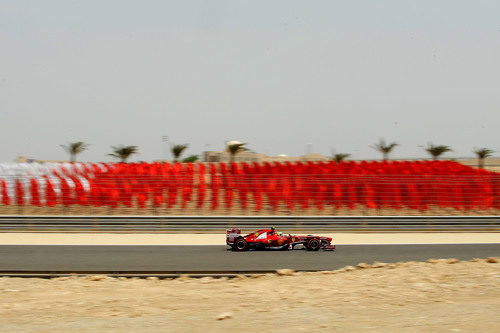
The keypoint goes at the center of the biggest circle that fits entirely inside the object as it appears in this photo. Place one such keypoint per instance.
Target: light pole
(164, 140)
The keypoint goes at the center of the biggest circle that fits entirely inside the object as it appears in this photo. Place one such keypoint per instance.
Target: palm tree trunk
(481, 163)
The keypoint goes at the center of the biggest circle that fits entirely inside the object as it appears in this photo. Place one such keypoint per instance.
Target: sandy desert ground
(220, 239)
(435, 296)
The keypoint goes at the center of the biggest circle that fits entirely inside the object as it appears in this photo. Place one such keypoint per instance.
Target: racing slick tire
(313, 244)
(240, 245)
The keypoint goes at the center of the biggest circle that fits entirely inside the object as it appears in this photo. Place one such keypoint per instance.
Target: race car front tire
(313, 244)
(240, 245)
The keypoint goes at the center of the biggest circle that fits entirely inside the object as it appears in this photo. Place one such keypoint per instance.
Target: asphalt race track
(62, 258)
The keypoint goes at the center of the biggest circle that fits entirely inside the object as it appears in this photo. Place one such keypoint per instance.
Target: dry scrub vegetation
(444, 295)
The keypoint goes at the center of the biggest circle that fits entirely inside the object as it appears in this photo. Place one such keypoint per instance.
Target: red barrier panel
(274, 186)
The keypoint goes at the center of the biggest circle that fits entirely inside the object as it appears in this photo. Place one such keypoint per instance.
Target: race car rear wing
(232, 234)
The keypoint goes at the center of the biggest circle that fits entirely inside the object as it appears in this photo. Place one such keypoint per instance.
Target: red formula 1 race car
(271, 239)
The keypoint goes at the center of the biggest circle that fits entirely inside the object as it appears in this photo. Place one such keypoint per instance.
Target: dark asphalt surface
(61, 258)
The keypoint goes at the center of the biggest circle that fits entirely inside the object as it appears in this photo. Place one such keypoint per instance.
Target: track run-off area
(173, 259)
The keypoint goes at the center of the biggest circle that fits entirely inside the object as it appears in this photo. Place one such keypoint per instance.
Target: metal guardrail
(218, 224)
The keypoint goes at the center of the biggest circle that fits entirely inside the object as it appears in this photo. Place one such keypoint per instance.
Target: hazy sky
(276, 74)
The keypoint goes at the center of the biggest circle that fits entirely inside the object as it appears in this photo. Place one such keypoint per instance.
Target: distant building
(250, 156)
(23, 159)
(223, 156)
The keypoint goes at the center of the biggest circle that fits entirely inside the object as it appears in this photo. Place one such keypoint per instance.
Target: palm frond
(123, 152)
(75, 148)
(436, 150)
(177, 150)
(384, 148)
(340, 157)
(235, 148)
(483, 153)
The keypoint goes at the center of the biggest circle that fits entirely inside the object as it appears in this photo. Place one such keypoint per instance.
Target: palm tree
(384, 148)
(481, 154)
(123, 152)
(436, 151)
(339, 157)
(177, 151)
(235, 147)
(74, 149)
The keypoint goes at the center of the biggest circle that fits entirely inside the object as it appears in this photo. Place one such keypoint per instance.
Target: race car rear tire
(313, 244)
(240, 245)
